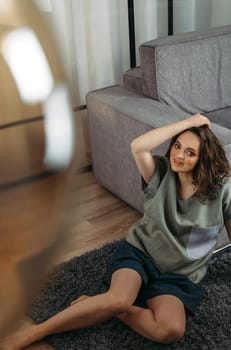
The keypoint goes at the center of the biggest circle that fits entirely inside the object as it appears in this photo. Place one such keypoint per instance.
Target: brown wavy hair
(212, 167)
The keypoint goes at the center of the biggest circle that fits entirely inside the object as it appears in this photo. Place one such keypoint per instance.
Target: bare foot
(17, 340)
(82, 297)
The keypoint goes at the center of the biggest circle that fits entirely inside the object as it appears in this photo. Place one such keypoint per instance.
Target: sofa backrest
(191, 71)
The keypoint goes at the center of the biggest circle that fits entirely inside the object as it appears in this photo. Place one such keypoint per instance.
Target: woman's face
(184, 153)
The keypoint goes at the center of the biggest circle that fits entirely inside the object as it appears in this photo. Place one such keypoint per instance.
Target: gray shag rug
(87, 274)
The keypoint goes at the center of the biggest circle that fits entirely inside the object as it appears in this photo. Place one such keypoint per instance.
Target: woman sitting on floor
(155, 272)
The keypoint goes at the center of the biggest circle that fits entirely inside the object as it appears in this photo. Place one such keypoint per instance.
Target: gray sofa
(178, 76)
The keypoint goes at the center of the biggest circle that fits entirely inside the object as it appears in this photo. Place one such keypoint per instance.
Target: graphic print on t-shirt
(201, 241)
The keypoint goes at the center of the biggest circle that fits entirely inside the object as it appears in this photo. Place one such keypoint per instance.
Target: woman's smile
(177, 162)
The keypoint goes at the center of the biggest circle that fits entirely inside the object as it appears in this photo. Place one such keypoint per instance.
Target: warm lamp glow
(28, 64)
(59, 129)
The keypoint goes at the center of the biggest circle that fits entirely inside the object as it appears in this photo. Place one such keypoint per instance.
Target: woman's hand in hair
(198, 120)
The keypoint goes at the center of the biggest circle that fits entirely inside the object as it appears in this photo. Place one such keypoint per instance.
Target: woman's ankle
(19, 339)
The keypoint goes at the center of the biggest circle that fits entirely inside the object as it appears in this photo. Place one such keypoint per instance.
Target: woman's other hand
(198, 120)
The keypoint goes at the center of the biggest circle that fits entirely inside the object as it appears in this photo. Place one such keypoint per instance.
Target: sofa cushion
(221, 117)
(191, 71)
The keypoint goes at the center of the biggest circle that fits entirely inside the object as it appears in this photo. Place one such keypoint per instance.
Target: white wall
(192, 15)
(184, 16)
(221, 12)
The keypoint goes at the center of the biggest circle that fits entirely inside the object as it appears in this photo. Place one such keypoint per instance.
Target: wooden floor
(94, 218)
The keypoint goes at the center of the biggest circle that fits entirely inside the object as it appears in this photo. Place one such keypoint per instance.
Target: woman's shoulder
(226, 198)
(227, 184)
(161, 169)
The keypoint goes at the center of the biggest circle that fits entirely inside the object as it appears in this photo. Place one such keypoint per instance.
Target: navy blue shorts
(155, 283)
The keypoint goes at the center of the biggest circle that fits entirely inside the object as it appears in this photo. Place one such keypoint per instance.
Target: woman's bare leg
(152, 323)
(163, 321)
(87, 312)
(79, 299)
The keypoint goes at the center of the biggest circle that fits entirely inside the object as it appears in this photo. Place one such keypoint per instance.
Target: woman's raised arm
(143, 145)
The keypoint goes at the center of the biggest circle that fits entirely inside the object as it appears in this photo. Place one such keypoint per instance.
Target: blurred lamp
(28, 64)
(36, 155)
(59, 129)
(33, 77)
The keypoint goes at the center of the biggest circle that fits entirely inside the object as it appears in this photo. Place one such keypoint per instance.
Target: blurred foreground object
(36, 155)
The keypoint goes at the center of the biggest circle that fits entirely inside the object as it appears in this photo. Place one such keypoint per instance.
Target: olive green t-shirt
(179, 235)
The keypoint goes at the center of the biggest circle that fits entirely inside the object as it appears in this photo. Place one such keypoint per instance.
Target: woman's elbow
(134, 146)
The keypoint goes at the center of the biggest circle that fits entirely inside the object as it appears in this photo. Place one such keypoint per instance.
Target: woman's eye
(190, 154)
(177, 146)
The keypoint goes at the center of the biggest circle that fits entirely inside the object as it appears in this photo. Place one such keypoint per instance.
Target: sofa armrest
(136, 106)
(151, 112)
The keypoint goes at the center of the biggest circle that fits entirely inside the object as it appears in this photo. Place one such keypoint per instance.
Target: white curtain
(151, 21)
(101, 42)
(102, 38)
(94, 35)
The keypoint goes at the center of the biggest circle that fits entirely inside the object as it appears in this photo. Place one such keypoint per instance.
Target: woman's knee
(118, 303)
(170, 333)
